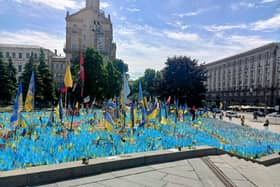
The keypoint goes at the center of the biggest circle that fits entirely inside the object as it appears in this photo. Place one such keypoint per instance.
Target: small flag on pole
(29, 101)
(14, 121)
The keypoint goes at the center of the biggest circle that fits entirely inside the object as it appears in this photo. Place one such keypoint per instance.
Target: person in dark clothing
(193, 113)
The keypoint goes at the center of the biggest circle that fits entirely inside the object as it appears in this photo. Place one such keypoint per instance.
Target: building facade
(249, 78)
(89, 28)
(20, 55)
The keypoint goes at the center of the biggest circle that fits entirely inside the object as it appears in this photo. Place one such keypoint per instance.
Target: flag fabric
(140, 93)
(62, 88)
(132, 114)
(145, 102)
(108, 122)
(23, 121)
(14, 121)
(168, 100)
(59, 110)
(51, 119)
(68, 82)
(29, 101)
(82, 73)
(152, 114)
(126, 89)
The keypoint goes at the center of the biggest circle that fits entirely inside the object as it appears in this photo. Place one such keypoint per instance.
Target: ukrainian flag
(152, 114)
(14, 121)
(59, 109)
(108, 122)
(29, 101)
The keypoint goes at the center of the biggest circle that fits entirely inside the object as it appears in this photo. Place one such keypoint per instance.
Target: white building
(20, 55)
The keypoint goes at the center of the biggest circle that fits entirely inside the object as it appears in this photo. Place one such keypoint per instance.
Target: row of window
(19, 55)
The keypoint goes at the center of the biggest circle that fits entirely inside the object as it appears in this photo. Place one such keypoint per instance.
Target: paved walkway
(258, 124)
(191, 172)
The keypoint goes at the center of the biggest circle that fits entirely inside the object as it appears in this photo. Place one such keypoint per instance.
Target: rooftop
(19, 46)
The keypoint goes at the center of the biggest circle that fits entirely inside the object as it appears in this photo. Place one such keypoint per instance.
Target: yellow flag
(68, 82)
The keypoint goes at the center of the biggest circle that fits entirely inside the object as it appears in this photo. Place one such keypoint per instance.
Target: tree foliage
(12, 80)
(3, 82)
(47, 78)
(44, 89)
(181, 77)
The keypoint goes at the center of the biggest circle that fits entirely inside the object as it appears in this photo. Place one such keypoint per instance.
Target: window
(20, 55)
(1, 54)
(19, 68)
(7, 54)
(14, 55)
(35, 56)
(27, 55)
(61, 66)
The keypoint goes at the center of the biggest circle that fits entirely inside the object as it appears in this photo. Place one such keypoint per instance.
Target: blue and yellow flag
(108, 122)
(29, 101)
(152, 114)
(14, 121)
(59, 109)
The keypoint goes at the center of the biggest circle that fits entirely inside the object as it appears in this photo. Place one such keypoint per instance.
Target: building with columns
(89, 27)
(248, 78)
(20, 55)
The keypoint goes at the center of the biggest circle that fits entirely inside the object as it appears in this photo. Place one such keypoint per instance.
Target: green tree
(4, 93)
(95, 73)
(47, 78)
(120, 65)
(114, 81)
(183, 78)
(12, 80)
(25, 78)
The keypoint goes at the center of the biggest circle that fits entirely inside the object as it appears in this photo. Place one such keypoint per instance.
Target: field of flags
(32, 138)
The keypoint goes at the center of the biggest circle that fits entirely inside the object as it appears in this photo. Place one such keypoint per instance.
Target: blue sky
(149, 31)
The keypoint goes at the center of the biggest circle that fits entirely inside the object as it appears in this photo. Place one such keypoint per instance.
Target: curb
(41, 175)
(50, 174)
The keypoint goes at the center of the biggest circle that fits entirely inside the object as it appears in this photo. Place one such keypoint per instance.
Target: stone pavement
(191, 172)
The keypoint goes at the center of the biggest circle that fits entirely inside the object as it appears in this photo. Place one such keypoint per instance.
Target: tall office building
(89, 28)
(252, 77)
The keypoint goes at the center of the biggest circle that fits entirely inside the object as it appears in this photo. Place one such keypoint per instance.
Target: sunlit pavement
(258, 124)
(191, 172)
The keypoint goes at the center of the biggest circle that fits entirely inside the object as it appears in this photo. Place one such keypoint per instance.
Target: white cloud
(30, 37)
(57, 4)
(269, 1)
(104, 5)
(218, 28)
(271, 23)
(240, 5)
(179, 25)
(187, 14)
(189, 37)
(133, 9)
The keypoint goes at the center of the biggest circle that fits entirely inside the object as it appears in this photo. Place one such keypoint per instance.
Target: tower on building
(89, 28)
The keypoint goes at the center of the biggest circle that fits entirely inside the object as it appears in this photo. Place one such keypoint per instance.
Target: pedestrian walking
(266, 124)
(242, 120)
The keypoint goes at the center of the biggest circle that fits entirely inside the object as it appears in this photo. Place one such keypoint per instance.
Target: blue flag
(132, 114)
(140, 93)
(14, 121)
